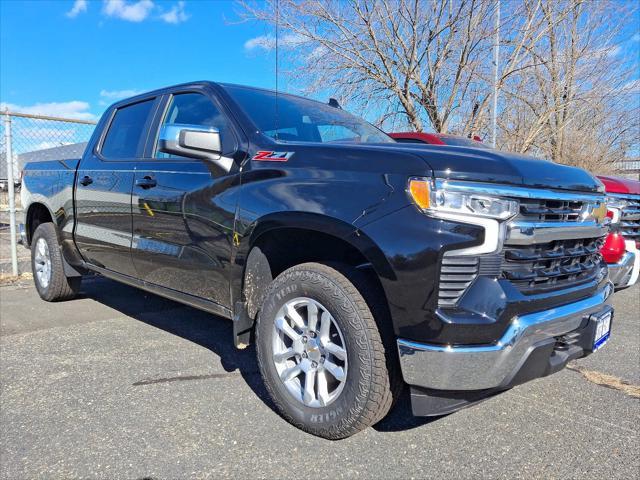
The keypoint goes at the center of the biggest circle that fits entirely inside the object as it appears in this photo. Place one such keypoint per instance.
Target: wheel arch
(279, 241)
(37, 213)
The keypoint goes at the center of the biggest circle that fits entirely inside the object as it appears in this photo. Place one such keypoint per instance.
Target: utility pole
(496, 60)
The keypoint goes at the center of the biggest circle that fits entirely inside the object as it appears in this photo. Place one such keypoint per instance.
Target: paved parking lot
(123, 384)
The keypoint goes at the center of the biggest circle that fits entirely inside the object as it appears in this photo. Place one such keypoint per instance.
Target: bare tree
(573, 103)
(409, 58)
(426, 64)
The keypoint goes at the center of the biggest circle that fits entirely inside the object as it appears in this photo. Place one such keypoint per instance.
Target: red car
(438, 139)
(621, 249)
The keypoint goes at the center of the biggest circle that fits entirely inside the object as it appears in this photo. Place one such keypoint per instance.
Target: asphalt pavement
(124, 384)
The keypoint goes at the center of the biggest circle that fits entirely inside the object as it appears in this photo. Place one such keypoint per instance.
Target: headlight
(441, 200)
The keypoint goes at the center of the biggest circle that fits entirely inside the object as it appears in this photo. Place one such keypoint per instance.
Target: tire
(364, 395)
(47, 266)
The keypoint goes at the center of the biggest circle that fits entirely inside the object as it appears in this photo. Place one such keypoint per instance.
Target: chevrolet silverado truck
(621, 249)
(356, 265)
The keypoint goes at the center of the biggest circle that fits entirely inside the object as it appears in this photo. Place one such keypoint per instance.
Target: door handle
(146, 182)
(86, 180)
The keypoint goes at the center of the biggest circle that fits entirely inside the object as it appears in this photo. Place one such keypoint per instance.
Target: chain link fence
(31, 138)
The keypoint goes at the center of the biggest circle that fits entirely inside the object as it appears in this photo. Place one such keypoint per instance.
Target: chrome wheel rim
(309, 352)
(42, 263)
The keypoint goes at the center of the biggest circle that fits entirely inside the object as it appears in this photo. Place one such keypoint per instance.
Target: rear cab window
(126, 134)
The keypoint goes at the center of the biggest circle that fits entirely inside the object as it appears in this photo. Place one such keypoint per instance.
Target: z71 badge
(263, 156)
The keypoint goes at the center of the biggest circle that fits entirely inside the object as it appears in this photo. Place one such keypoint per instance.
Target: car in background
(438, 139)
(621, 248)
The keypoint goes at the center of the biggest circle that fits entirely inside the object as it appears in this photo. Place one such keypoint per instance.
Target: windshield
(297, 119)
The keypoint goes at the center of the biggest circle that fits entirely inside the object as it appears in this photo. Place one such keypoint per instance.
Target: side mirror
(194, 141)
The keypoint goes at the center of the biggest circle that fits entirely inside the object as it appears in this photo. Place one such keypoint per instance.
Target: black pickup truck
(354, 263)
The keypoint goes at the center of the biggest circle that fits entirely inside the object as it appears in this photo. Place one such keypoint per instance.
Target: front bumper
(498, 365)
(625, 272)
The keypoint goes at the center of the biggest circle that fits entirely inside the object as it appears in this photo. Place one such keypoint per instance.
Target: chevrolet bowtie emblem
(599, 213)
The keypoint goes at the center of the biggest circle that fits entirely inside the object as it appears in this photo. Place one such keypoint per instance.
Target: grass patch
(608, 381)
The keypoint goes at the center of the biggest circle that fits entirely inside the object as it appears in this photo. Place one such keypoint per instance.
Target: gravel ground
(123, 384)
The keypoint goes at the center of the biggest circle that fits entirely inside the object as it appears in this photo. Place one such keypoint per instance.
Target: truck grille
(553, 265)
(630, 218)
(543, 210)
(552, 243)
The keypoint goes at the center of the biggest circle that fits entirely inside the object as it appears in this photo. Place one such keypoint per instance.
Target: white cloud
(79, 6)
(636, 38)
(632, 87)
(606, 51)
(176, 14)
(268, 42)
(47, 137)
(118, 94)
(136, 11)
(74, 109)
(265, 42)
(110, 96)
(614, 51)
(141, 10)
(317, 53)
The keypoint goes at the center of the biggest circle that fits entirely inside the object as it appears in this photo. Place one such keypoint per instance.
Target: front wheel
(320, 353)
(47, 265)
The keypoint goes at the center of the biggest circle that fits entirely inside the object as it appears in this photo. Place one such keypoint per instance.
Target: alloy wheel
(309, 352)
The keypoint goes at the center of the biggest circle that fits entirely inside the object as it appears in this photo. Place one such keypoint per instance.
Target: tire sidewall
(45, 231)
(353, 397)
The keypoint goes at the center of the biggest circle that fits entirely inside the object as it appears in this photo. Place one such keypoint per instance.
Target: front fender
(313, 222)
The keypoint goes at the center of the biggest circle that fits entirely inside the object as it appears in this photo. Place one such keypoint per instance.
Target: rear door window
(127, 132)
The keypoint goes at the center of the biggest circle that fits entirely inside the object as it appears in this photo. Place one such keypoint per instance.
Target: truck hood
(484, 165)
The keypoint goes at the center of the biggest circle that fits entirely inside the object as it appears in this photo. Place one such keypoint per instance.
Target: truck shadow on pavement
(213, 333)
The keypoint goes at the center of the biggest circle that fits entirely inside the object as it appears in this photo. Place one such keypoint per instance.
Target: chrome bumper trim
(488, 366)
(625, 273)
(525, 233)
(620, 273)
(502, 190)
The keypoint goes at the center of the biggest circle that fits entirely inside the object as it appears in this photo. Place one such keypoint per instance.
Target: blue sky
(73, 58)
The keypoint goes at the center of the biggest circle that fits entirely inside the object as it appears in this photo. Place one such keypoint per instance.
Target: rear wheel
(48, 266)
(320, 353)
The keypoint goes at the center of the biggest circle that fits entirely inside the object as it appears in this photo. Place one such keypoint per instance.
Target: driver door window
(196, 109)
